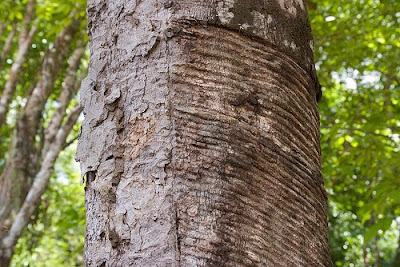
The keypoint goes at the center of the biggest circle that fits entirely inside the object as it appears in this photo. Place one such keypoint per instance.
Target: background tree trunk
(200, 143)
(31, 155)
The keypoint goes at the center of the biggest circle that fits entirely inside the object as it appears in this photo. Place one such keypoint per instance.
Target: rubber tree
(200, 144)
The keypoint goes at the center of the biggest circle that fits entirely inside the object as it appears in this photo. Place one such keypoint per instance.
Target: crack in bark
(220, 138)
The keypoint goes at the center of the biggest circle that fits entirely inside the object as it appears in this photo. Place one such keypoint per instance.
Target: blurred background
(44, 57)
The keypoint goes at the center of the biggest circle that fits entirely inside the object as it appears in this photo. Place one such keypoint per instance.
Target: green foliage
(357, 51)
(56, 14)
(52, 16)
(382, 225)
(55, 235)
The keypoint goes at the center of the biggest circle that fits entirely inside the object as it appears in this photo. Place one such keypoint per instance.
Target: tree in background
(54, 237)
(357, 55)
(41, 71)
(200, 143)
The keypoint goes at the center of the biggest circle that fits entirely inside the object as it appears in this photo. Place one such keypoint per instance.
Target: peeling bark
(200, 144)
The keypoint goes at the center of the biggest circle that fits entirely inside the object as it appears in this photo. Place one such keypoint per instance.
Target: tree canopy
(357, 50)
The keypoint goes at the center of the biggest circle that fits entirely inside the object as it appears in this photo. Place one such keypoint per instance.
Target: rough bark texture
(200, 143)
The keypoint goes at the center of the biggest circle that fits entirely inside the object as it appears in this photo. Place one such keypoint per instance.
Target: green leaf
(382, 224)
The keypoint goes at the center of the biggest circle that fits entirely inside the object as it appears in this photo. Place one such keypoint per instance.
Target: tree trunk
(29, 164)
(200, 143)
(25, 39)
(21, 165)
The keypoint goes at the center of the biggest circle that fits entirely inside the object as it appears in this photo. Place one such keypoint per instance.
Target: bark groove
(247, 194)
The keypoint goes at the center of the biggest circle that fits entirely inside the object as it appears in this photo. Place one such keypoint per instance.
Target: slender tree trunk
(200, 144)
(37, 189)
(25, 39)
(396, 261)
(29, 165)
(7, 45)
(2, 27)
(387, 95)
(17, 176)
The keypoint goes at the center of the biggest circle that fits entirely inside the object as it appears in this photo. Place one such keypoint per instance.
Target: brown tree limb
(70, 142)
(377, 262)
(7, 45)
(27, 21)
(40, 183)
(365, 256)
(25, 39)
(50, 68)
(69, 90)
(20, 168)
(2, 27)
(11, 84)
(311, 5)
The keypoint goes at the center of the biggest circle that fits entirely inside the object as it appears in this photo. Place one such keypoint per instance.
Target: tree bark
(200, 143)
